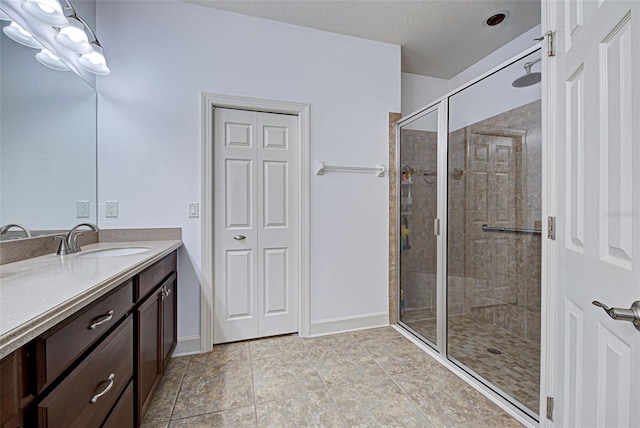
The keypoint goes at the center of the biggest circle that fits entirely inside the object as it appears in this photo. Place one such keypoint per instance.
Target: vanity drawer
(100, 378)
(153, 276)
(59, 347)
(122, 414)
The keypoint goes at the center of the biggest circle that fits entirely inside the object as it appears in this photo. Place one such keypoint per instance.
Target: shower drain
(494, 351)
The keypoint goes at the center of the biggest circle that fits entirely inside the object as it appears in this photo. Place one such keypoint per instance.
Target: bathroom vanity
(93, 353)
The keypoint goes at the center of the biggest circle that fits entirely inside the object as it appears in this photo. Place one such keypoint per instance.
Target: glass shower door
(418, 170)
(493, 231)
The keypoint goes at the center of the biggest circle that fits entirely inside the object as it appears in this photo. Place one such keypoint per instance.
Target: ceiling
(439, 38)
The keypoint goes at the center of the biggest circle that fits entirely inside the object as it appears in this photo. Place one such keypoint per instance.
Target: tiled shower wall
(495, 277)
(418, 263)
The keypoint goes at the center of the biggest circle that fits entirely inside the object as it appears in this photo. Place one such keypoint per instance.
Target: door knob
(239, 237)
(632, 314)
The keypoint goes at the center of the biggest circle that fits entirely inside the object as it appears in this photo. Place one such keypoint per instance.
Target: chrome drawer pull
(107, 316)
(100, 394)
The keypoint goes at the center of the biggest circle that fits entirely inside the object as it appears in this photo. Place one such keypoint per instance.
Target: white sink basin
(112, 252)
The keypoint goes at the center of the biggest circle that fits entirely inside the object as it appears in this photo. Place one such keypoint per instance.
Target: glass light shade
(46, 11)
(95, 61)
(4, 16)
(46, 58)
(18, 34)
(74, 38)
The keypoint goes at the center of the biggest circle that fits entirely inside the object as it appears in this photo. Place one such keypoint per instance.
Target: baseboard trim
(341, 325)
(187, 345)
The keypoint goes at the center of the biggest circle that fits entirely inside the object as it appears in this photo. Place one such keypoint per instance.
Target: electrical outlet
(111, 209)
(83, 209)
(194, 209)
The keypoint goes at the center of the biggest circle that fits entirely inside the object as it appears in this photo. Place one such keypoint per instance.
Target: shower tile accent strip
(393, 286)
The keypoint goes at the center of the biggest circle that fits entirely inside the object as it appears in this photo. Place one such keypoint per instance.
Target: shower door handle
(632, 314)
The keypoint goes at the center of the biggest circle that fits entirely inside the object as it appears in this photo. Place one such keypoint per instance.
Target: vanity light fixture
(46, 11)
(95, 61)
(66, 37)
(73, 37)
(48, 59)
(18, 34)
(92, 59)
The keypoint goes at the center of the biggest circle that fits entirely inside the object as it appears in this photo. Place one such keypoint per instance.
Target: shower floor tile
(363, 378)
(516, 370)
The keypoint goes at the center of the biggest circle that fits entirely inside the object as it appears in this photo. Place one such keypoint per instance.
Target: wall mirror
(47, 144)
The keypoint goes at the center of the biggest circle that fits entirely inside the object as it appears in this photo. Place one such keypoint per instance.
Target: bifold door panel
(256, 224)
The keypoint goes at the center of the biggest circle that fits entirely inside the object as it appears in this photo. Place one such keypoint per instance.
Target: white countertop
(37, 293)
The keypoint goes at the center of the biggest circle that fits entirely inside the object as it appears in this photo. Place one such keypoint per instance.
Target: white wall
(417, 91)
(164, 54)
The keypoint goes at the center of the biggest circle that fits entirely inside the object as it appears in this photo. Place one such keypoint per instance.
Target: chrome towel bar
(487, 228)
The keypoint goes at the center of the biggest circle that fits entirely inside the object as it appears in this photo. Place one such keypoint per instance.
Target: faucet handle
(63, 249)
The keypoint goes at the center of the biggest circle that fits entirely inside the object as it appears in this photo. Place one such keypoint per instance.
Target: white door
(255, 224)
(597, 167)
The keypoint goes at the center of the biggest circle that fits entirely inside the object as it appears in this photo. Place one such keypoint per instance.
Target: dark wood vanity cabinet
(100, 366)
(157, 328)
(15, 389)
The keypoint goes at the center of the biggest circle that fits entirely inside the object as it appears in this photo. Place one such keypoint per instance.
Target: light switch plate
(194, 210)
(111, 209)
(83, 209)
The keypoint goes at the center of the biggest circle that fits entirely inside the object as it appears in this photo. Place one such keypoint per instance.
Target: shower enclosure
(470, 168)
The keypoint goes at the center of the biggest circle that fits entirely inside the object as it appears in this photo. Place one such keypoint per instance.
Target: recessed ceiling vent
(496, 19)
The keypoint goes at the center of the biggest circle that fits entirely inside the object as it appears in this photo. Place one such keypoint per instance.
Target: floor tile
(223, 354)
(398, 355)
(313, 409)
(377, 404)
(165, 396)
(344, 369)
(233, 418)
(338, 344)
(164, 424)
(499, 421)
(278, 346)
(445, 399)
(376, 333)
(277, 378)
(209, 389)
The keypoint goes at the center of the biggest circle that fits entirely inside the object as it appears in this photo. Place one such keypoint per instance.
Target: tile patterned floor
(516, 371)
(366, 378)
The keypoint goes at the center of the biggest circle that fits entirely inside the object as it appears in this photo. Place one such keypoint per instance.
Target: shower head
(529, 78)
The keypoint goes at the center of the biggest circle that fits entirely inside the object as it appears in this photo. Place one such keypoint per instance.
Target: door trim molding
(209, 102)
(549, 285)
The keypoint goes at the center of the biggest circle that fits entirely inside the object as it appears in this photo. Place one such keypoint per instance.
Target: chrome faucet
(4, 229)
(69, 242)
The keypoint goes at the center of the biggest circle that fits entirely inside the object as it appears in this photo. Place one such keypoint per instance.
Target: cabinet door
(10, 391)
(148, 350)
(169, 319)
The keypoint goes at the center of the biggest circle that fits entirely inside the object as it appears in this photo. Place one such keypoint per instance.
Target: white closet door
(277, 224)
(255, 225)
(235, 231)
